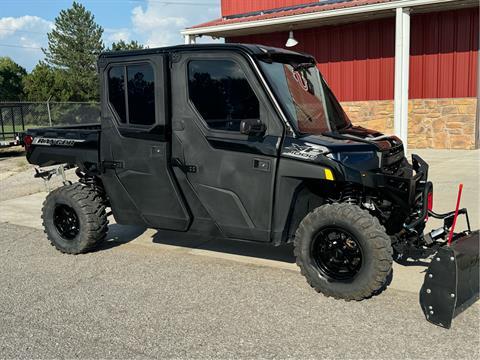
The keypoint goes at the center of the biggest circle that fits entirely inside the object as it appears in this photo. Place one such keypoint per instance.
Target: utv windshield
(310, 105)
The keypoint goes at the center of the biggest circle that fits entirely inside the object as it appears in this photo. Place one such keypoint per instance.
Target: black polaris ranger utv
(248, 142)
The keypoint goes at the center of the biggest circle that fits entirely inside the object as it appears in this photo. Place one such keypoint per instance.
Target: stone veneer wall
(432, 123)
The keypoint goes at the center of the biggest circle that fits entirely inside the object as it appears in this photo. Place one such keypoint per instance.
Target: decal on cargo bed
(307, 151)
(55, 141)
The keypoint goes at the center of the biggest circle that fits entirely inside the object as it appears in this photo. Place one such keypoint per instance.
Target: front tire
(74, 218)
(343, 252)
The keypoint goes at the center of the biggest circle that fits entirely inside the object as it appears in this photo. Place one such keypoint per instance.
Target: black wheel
(343, 252)
(74, 218)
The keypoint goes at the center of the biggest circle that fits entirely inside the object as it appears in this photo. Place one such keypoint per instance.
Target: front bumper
(408, 188)
(407, 184)
(419, 189)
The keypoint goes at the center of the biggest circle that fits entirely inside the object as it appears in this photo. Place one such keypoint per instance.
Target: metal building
(403, 66)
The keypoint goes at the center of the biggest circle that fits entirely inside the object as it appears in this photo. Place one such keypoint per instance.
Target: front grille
(392, 169)
(393, 150)
(392, 160)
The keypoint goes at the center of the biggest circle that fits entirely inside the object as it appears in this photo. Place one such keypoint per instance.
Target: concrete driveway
(156, 294)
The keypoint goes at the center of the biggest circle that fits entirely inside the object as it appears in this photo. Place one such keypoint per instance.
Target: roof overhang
(326, 17)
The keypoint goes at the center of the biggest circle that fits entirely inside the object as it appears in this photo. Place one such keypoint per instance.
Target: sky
(24, 23)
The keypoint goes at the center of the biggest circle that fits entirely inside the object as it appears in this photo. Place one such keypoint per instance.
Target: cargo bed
(78, 144)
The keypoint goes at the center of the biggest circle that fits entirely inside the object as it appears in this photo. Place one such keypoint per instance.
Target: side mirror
(252, 127)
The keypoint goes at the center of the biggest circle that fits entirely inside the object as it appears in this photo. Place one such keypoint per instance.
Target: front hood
(315, 147)
(356, 147)
(381, 141)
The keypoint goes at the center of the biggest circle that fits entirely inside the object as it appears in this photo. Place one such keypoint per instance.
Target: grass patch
(8, 130)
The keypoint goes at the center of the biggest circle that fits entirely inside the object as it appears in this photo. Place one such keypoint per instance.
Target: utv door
(232, 174)
(134, 151)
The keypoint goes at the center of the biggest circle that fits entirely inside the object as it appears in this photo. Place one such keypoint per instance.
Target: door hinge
(185, 168)
(112, 164)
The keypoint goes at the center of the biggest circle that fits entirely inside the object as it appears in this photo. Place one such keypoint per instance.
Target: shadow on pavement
(236, 247)
(123, 234)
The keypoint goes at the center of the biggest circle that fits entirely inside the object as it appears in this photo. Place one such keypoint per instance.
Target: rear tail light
(429, 203)
(27, 142)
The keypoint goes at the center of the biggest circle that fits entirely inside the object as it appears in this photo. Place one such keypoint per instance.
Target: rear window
(133, 101)
(116, 91)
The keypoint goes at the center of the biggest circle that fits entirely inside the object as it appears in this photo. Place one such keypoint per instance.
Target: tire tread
(368, 225)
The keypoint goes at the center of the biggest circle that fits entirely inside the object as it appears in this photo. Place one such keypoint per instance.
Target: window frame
(112, 109)
(197, 112)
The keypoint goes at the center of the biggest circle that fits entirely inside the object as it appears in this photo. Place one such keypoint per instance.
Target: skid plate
(452, 280)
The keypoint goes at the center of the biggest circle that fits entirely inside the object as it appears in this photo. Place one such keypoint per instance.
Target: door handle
(261, 165)
(112, 164)
(176, 162)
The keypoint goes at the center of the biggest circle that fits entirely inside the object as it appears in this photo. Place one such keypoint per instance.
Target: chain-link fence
(16, 117)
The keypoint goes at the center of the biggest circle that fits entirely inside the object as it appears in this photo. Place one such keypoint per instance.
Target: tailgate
(63, 145)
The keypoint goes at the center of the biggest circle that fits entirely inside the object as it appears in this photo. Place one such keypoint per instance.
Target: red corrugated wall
(444, 54)
(357, 60)
(232, 7)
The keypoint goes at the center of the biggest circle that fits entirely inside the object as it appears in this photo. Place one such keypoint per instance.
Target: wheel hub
(66, 221)
(337, 254)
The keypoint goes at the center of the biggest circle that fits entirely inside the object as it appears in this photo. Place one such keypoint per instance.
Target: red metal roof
(289, 12)
(235, 7)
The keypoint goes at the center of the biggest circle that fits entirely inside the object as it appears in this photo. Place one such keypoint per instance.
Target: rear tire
(74, 218)
(343, 252)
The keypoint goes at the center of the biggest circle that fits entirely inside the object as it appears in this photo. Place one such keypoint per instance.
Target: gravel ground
(16, 175)
(132, 301)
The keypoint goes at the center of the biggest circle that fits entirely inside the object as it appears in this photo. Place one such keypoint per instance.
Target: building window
(221, 93)
(139, 94)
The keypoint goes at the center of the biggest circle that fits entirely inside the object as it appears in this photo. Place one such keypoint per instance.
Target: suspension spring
(349, 196)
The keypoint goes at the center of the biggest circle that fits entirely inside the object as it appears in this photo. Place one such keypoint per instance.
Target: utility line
(15, 30)
(21, 46)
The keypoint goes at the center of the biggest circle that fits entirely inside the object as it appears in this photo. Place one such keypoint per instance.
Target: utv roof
(256, 50)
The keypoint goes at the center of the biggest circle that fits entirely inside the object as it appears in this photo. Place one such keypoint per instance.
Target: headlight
(362, 160)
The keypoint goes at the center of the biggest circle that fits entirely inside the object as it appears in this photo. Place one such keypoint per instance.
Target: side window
(134, 104)
(141, 96)
(221, 93)
(116, 91)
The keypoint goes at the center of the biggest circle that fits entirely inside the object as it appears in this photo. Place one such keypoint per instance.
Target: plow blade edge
(452, 280)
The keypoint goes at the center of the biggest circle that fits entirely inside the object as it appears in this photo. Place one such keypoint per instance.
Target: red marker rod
(450, 236)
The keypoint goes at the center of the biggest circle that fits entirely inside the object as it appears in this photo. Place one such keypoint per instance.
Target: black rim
(337, 253)
(66, 221)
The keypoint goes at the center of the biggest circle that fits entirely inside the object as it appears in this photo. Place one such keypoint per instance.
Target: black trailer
(246, 142)
(12, 124)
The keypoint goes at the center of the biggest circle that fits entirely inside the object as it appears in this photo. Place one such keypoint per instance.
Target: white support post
(402, 62)
(190, 39)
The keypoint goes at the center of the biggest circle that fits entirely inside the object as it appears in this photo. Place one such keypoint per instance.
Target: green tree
(45, 82)
(11, 76)
(122, 45)
(73, 47)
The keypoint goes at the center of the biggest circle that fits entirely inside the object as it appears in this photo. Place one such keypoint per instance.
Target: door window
(116, 91)
(134, 104)
(220, 92)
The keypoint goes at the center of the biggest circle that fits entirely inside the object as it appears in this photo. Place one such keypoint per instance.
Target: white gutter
(311, 16)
